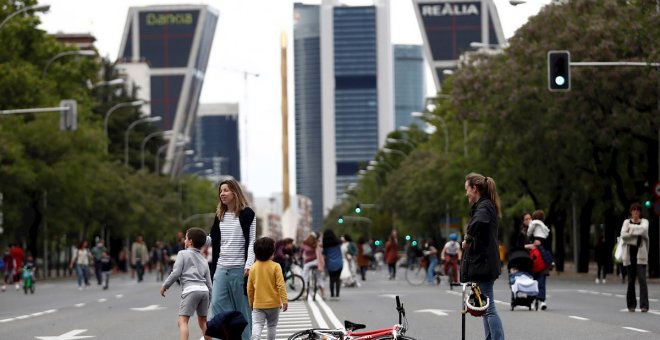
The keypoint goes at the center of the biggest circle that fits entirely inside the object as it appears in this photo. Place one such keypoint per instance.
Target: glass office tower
(408, 84)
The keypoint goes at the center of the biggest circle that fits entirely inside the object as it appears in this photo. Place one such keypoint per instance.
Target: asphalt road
(578, 309)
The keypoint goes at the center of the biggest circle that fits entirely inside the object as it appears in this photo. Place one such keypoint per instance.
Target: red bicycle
(349, 332)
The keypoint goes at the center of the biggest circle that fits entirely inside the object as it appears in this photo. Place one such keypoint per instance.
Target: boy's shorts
(194, 301)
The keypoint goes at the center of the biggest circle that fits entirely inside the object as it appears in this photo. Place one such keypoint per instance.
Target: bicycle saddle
(353, 326)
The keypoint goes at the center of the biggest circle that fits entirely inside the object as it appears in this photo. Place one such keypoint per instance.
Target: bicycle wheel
(295, 286)
(415, 274)
(307, 334)
(389, 337)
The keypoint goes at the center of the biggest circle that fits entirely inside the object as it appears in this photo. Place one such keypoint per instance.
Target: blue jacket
(333, 258)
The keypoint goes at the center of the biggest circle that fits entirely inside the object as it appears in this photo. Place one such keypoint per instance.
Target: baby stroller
(524, 288)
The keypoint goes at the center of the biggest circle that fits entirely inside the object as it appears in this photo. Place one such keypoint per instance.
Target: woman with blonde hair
(233, 235)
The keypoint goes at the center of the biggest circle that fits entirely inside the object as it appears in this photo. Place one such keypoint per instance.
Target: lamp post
(428, 116)
(136, 103)
(128, 132)
(112, 82)
(160, 151)
(36, 8)
(397, 141)
(146, 139)
(184, 168)
(64, 54)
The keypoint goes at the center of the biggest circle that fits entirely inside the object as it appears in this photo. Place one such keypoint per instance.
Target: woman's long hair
(239, 197)
(330, 239)
(486, 188)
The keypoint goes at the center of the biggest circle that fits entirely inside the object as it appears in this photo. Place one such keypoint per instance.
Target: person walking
(431, 253)
(191, 268)
(233, 233)
(10, 267)
(106, 268)
(635, 235)
(82, 259)
(349, 252)
(602, 255)
(333, 261)
(480, 254)
(391, 255)
(97, 252)
(363, 257)
(538, 234)
(139, 257)
(266, 291)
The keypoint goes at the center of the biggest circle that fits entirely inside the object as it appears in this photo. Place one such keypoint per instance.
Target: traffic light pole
(67, 111)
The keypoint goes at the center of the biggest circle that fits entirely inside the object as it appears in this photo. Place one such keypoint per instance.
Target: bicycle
(28, 280)
(349, 332)
(416, 273)
(313, 281)
(294, 282)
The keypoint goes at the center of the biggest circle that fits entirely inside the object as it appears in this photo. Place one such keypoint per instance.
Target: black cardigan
(246, 216)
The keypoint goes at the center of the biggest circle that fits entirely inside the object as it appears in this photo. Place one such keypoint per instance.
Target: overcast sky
(247, 38)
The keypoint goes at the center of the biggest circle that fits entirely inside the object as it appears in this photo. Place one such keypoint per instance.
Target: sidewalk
(570, 274)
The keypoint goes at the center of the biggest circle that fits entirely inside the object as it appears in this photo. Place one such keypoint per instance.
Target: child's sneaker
(543, 305)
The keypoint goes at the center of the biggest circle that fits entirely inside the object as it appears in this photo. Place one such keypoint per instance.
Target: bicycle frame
(340, 334)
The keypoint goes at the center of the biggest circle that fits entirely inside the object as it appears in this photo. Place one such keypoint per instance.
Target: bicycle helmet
(476, 306)
(453, 237)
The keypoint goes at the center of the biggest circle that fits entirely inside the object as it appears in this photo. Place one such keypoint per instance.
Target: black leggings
(335, 283)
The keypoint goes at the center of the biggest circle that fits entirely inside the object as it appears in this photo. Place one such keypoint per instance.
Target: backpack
(226, 325)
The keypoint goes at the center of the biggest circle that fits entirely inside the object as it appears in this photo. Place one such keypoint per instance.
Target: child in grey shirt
(192, 269)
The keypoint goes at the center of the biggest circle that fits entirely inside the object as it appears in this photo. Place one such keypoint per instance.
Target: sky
(247, 39)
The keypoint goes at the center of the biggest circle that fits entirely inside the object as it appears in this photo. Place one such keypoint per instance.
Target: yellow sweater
(266, 285)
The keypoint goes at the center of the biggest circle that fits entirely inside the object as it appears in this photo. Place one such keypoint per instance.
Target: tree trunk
(585, 233)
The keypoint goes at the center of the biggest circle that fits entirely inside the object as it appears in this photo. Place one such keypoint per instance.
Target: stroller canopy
(520, 260)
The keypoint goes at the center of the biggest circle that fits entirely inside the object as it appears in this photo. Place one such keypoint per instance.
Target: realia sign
(449, 26)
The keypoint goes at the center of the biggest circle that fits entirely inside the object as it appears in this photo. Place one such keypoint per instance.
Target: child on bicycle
(265, 288)
(192, 269)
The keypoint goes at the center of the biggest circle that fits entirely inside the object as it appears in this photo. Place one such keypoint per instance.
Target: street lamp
(112, 82)
(128, 131)
(87, 53)
(397, 141)
(478, 44)
(146, 139)
(429, 116)
(389, 151)
(160, 150)
(136, 103)
(36, 8)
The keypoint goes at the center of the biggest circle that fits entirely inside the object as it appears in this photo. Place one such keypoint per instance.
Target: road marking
(330, 314)
(438, 312)
(72, 335)
(102, 300)
(620, 295)
(578, 318)
(636, 329)
(148, 308)
(316, 312)
(79, 305)
(606, 294)
(119, 296)
(392, 296)
(22, 317)
(7, 320)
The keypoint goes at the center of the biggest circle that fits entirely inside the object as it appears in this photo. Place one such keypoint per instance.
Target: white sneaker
(597, 281)
(17, 287)
(543, 306)
(603, 281)
(80, 288)
(4, 287)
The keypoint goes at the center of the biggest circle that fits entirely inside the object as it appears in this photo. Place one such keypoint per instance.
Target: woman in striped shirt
(233, 257)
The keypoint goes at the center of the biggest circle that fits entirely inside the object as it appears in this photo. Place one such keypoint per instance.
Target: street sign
(656, 207)
(656, 189)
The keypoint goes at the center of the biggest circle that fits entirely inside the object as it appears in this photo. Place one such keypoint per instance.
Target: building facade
(175, 42)
(215, 139)
(408, 84)
(351, 81)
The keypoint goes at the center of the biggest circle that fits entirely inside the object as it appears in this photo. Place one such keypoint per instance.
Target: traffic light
(340, 220)
(407, 237)
(559, 70)
(414, 243)
(647, 203)
(377, 243)
(69, 117)
(358, 209)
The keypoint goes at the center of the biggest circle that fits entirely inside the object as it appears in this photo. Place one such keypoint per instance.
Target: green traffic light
(414, 243)
(560, 81)
(358, 210)
(647, 204)
(340, 220)
(407, 237)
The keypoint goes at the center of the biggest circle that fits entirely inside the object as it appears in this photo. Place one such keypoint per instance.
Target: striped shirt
(232, 243)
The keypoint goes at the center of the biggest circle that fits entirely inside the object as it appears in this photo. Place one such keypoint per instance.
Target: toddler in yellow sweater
(266, 291)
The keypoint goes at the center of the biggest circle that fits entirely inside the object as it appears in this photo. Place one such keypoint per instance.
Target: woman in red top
(391, 256)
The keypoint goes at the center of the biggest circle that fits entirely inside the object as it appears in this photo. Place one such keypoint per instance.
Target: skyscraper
(215, 139)
(408, 83)
(350, 77)
(175, 41)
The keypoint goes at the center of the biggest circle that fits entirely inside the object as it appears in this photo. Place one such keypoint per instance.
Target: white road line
(578, 318)
(102, 300)
(119, 296)
(330, 314)
(636, 329)
(79, 305)
(606, 294)
(38, 314)
(620, 295)
(316, 312)
(22, 317)
(7, 320)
